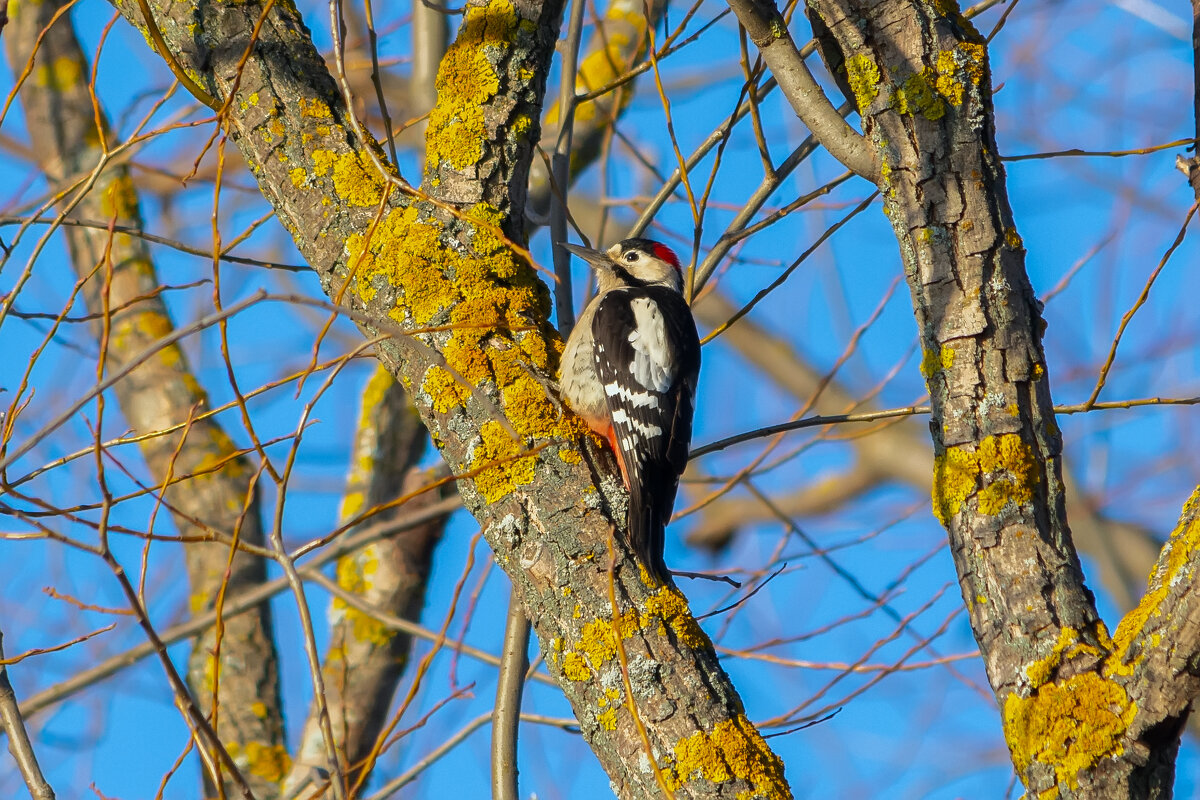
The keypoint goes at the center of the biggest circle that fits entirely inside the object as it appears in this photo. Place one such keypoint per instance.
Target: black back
(654, 462)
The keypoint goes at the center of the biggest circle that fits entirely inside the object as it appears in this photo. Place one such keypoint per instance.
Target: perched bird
(629, 370)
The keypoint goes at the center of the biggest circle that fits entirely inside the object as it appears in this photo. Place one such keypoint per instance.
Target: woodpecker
(629, 370)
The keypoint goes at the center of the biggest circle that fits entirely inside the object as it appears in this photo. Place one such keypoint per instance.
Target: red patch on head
(664, 253)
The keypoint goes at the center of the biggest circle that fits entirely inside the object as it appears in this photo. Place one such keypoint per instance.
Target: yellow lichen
(733, 750)
(119, 198)
(918, 96)
(1070, 726)
(364, 464)
(955, 473)
(447, 393)
(1006, 459)
(933, 363)
(607, 719)
(1013, 239)
(354, 573)
(61, 74)
(598, 642)
(316, 108)
(505, 473)
(198, 601)
(274, 130)
(670, 607)
(863, 76)
(357, 180)
(963, 61)
(466, 80)
(598, 639)
(575, 667)
(622, 44)
(299, 177)
(269, 762)
(1068, 647)
(530, 408)
(950, 9)
(322, 161)
(1180, 551)
(1009, 455)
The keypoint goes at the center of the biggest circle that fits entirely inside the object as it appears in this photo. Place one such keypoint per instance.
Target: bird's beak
(596, 258)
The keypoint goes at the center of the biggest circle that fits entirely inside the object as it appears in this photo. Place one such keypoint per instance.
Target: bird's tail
(647, 535)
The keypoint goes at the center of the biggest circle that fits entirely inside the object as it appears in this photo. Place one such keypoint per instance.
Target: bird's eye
(631, 256)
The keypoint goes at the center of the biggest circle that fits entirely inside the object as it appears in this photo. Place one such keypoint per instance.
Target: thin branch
(18, 738)
(510, 685)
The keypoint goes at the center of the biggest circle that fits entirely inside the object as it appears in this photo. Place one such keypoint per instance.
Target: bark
(1084, 714)
(547, 497)
(210, 493)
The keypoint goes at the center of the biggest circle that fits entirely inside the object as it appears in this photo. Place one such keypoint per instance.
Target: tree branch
(1080, 717)
(18, 738)
(366, 658)
(769, 31)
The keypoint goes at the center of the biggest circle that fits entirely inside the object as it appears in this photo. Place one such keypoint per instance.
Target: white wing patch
(647, 430)
(635, 399)
(652, 365)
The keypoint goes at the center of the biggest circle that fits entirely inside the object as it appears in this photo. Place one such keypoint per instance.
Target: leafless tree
(404, 182)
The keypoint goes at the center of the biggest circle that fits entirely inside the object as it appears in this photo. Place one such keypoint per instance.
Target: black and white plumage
(629, 369)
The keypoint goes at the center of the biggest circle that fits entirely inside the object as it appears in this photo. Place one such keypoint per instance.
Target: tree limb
(1084, 715)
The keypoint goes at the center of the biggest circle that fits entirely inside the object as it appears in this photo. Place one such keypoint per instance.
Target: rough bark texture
(210, 492)
(447, 262)
(1085, 715)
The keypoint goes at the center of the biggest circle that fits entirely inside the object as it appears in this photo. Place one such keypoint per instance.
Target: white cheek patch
(652, 365)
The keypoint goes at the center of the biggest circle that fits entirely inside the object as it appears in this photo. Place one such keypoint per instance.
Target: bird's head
(636, 262)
